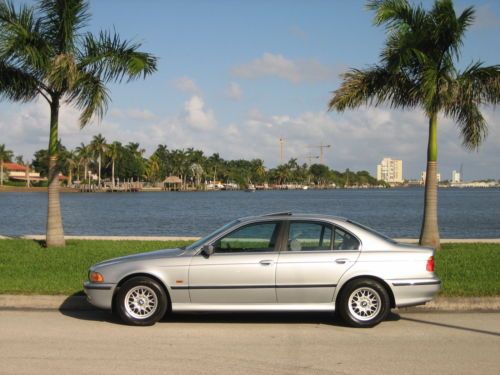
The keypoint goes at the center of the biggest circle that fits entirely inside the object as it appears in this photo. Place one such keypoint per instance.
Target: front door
(317, 255)
(241, 270)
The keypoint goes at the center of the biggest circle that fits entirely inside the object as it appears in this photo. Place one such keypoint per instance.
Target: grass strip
(26, 267)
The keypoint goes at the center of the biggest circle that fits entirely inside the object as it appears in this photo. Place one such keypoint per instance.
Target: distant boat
(250, 188)
(305, 187)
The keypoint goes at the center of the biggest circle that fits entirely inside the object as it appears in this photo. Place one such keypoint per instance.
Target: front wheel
(141, 301)
(364, 303)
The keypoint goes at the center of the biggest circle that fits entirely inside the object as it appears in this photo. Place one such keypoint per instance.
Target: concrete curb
(41, 237)
(79, 302)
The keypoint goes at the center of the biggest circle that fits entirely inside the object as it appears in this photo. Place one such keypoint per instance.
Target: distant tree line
(118, 162)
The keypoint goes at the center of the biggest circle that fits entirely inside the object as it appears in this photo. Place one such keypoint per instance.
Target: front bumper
(99, 295)
(413, 292)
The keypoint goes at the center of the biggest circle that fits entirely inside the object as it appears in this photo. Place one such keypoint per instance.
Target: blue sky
(235, 76)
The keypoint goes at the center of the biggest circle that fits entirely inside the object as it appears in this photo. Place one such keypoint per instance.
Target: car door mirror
(207, 250)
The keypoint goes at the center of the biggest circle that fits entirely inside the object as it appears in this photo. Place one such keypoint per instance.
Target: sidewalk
(79, 302)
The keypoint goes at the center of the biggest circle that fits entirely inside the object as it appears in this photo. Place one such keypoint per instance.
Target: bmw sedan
(275, 262)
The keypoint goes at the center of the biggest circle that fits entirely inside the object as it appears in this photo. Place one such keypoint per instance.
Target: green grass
(28, 268)
(469, 269)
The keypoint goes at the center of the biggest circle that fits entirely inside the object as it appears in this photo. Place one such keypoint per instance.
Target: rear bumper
(99, 295)
(412, 292)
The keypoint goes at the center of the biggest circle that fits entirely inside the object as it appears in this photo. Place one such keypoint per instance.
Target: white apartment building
(390, 170)
(455, 177)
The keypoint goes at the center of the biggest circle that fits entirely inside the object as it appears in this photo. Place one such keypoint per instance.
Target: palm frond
(22, 43)
(62, 22)
(112, 59)
(91, 96)
(16, 84)
(374, 86)
(476, 86)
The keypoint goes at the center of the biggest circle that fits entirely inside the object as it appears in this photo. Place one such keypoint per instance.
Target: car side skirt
(198, 307)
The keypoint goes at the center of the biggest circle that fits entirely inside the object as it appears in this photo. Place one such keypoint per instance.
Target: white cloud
(359, 139)
(196, 115)
(186, 84)
(276, 65)
(233, 91)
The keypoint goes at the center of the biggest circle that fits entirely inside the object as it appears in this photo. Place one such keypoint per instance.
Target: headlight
(96, 277)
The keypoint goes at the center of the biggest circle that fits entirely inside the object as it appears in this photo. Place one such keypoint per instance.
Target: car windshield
(202, 240)
(373, 231)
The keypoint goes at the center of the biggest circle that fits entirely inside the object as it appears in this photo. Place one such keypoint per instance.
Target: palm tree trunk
(99, 174)
(1, 172)
(55, 232)
(429, 234)
(113, 173)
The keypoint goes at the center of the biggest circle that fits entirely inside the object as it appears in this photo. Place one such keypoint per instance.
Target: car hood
(165, 253)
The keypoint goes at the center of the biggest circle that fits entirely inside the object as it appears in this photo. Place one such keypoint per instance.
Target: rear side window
(344, 240)
(303, 236)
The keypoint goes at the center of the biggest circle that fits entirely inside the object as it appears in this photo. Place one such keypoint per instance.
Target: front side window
(260, 237)
(344, 240)
(309, 236)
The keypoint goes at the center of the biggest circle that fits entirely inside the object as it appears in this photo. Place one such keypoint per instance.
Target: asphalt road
(92, 342)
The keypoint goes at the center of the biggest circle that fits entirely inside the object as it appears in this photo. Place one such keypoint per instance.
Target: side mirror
(207, 250)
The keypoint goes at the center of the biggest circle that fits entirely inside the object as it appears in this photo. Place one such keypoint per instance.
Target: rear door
(315, 256)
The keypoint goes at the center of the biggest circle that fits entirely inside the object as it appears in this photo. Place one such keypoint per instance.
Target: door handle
(341, 260)
(266, 262)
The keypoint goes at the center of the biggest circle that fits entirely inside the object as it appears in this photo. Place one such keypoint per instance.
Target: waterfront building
(390, 170)
(18, 172)
(424, 174)
(455, 177)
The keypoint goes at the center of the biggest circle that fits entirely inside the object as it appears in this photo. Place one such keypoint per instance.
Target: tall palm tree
(44, 51)
(99, 147)
(5, 156)
(84, 157)
(417, 70)
(71, 163)
(114, 152)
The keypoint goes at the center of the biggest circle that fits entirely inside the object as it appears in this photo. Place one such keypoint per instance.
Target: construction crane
(282, 150)
(321, 153)
(310, 157)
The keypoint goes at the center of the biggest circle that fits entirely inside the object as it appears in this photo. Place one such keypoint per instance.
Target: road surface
(92, 342)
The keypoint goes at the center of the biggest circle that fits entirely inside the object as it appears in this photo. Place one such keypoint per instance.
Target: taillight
(430, 264)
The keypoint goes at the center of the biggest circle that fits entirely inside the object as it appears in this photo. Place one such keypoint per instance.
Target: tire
(364, 303)
(141, 301)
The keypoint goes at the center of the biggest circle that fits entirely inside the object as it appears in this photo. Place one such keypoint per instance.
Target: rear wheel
(364, 303)
(141, 301)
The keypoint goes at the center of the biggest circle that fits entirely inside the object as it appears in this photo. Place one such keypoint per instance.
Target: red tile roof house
(18, 172)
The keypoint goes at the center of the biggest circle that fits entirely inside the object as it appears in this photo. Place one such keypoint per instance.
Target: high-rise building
(455, 177)
(390, 170)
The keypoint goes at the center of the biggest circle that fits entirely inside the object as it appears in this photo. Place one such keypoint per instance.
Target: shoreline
(63, 189)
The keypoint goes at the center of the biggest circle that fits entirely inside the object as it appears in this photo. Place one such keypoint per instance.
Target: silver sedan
(275, 262)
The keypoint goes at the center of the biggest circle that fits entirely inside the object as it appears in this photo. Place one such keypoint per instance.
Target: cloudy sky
(235, 76)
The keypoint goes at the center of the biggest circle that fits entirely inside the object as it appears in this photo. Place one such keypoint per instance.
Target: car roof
(291, 215)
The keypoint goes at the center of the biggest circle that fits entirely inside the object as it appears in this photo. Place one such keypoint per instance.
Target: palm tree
(44, 51)
(84, 157)
(71, 163)
(417, 70)
(99, 147)
(114, 152)
(5, 156)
